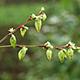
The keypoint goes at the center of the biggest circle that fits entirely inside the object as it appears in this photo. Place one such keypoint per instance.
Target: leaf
(38, 24)
(22, 53)
(13, 40)
(49, 54)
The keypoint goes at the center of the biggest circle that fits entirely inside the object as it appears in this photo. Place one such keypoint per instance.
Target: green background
(61, 26)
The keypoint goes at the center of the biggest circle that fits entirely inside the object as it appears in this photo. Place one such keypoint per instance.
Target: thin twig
(30, 18)
(43, 45)
(4, 37)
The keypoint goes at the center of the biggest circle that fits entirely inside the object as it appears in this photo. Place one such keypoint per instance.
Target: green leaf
(61, 56)
(38, 24)
(49, 54)
(13, 40)
(22, 53)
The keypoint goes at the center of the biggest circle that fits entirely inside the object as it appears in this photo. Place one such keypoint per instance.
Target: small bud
(61, 56)
(13, 40)
(39, 17)
(33, 16)
(78, 49)
(72, 45)
(22, 53)
(38, 24)
(48, 44)
(44, 48)
(44, 17)
(25, 27)
(49, 54)
(42, 9)
(11, 30)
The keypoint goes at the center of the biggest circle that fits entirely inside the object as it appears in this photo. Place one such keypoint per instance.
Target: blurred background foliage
(62, 25)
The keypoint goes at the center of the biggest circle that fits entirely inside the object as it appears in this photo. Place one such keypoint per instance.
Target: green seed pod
(65, 53)
(23, 30)
(70, 53)
(38, 24)
(13, 40)
(49, 54)
(22, 53)
(44, 17)
(61, 56)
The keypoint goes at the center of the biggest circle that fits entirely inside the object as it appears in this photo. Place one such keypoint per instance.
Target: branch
(43, 45)
(7, 46)
(4, 37)
(30, 18)
(63, 52)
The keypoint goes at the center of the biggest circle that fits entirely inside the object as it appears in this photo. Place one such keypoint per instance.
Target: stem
(4, 38)
(22, 25)
(6, 46)
(30, 18)
(43, 45)
(15, 30)
(66, 46)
